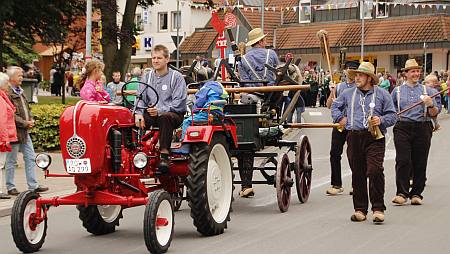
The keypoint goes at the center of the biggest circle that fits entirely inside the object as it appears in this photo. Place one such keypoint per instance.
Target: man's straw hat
(368, 69)
(254, 36)
(411, 64)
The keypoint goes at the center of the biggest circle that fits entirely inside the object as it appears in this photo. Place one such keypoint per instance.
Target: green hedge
(45, 134)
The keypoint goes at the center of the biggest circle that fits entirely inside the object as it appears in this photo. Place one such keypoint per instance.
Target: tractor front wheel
(158, 222)
(100, 219)
(28, 234)
(210, 185)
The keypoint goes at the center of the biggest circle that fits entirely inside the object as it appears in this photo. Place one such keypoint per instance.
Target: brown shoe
(4, 196)
(334, 190)
(358, 216)
(13, 192)
(41, 188)
(378, 217)
(247, 192)
(416, 200)
(399, 200)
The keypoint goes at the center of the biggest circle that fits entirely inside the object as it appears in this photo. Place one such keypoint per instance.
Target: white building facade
(158, 24)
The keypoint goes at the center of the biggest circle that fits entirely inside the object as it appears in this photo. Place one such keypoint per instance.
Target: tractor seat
(202, 123)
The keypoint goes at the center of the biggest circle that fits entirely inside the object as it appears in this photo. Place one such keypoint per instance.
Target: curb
(6, 211)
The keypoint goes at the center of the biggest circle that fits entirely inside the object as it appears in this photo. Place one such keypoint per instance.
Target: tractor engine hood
(84, 131)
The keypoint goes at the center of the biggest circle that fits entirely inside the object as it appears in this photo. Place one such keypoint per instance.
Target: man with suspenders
(359, 109)
(338, 137)
(168, 114)
(252, 67)
(412, 135)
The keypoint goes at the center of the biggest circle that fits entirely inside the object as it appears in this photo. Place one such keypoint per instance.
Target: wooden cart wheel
(303, 169)
(283, 182)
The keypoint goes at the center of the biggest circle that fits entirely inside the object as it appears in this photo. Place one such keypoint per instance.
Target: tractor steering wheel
(138, 96)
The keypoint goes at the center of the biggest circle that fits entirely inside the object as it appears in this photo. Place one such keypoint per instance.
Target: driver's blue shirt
(171, 89)
(256, 57)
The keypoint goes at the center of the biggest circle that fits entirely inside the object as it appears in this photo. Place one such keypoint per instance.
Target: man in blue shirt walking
(338, 137)
(359, 108)
(412, 135)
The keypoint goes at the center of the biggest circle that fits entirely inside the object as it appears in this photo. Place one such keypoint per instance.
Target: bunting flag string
(327, 6)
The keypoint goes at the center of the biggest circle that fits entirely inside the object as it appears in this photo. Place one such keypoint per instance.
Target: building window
(176, 20)
(163, 21)
(305, 11)
(366, 11)
(139, 22)
(382, 11)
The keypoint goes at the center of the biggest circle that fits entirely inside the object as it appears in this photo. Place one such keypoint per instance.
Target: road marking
(315, 113)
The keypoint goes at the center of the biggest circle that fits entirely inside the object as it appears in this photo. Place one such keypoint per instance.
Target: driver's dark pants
(167, 123)
(366, 156)
(245, 165)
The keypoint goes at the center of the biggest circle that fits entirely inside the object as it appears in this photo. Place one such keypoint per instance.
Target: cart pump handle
(218, 102)
(234, 47)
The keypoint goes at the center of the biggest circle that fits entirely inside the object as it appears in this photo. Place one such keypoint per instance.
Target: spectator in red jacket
(8, 132)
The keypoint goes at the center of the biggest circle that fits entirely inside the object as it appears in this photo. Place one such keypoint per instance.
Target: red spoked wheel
(303, 169)
(283, 182)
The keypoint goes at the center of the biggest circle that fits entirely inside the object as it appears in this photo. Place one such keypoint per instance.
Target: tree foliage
(23, 23)
(115, 57)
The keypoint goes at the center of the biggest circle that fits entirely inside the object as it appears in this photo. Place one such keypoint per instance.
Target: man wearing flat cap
(252, 67)
(338, 137)
(360, 109)
(412, 134)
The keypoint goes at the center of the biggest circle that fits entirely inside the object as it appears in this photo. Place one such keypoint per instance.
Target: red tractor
(113, 164)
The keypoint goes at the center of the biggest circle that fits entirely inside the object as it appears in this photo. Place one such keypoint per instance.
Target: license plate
(78, 166)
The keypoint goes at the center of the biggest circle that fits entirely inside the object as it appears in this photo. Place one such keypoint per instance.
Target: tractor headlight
(140, 160)
(43, 160)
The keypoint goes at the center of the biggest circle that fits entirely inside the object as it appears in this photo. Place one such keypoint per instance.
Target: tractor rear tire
(210, 185)
(95, 223)
(27, 236)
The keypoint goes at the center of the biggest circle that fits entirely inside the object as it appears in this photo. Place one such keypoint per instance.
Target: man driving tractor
(168, 113)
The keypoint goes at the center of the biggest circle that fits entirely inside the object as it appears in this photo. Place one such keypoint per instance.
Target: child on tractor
(204, 107)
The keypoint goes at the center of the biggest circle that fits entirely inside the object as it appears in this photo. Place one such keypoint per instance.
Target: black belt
(358, 131)
(413, 123)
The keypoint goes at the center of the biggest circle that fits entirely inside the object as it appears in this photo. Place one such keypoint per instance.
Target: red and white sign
(221, 42)
(230, 20)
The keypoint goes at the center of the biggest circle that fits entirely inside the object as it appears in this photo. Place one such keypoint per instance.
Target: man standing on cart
(253, 67)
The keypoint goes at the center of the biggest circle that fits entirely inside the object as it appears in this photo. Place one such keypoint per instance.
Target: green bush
(45, 85)
(45, 134)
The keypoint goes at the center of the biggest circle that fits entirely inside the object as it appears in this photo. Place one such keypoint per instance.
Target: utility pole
(425, 59)
(362, 16)
(178, 20)
(262, 16)
(88, 29)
